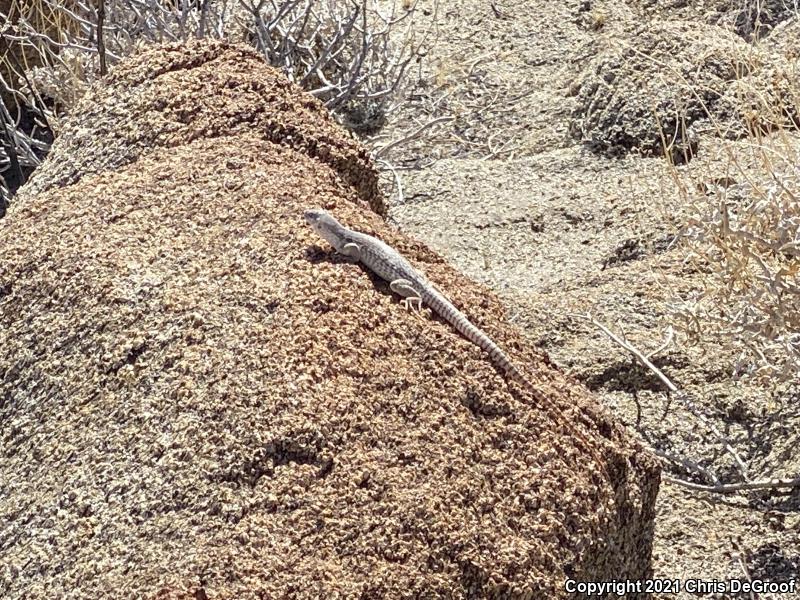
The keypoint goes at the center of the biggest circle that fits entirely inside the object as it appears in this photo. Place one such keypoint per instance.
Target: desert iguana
(406, 281)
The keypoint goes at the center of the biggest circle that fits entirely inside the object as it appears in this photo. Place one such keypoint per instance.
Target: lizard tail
(464, 326)
(501, 360)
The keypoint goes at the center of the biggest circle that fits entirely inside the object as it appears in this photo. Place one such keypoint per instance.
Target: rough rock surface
(224, 94)
(752, 20)
(645, 92)
(198, 399)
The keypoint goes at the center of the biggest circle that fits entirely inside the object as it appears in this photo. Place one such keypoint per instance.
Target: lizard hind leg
(411, 297)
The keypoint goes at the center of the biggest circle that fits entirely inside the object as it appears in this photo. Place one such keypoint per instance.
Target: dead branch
(717, 487)
(728, 488)
(688, 404)
(689, 465)
(101, 48)
(339, 51)
(411, 136)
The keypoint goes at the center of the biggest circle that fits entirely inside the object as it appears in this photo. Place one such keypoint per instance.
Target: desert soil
(513, 199)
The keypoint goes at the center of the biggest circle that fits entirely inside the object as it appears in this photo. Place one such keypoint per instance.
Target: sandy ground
(507, 195)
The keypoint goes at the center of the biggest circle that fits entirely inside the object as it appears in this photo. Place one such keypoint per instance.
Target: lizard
(415, 289)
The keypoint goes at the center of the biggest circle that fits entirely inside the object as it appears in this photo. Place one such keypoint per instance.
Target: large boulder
(749, 19)
(646, 89)
(198, 399)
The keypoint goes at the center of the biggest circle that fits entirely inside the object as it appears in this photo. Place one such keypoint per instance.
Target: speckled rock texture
(649, 90)
(179, 95)
(198, 399)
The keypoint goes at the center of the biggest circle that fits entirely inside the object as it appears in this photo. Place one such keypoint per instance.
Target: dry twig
(728, 488)
(411, 136)
(717, 487)
(101, 47)
(689, 405)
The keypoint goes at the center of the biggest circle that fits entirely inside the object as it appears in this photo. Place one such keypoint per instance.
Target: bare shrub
(753, 19)
(338, 50)
(743, 233)
(351, 55)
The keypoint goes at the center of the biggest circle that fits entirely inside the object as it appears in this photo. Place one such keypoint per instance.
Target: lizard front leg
(352, 250)
(411, 297)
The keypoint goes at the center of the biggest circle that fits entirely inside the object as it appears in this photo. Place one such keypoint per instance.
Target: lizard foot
(411, 298)
(413, 304)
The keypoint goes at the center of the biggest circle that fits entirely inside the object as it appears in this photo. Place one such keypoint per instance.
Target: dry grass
(743, 234)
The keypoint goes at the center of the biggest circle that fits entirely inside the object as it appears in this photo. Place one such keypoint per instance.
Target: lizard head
(325, 225)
